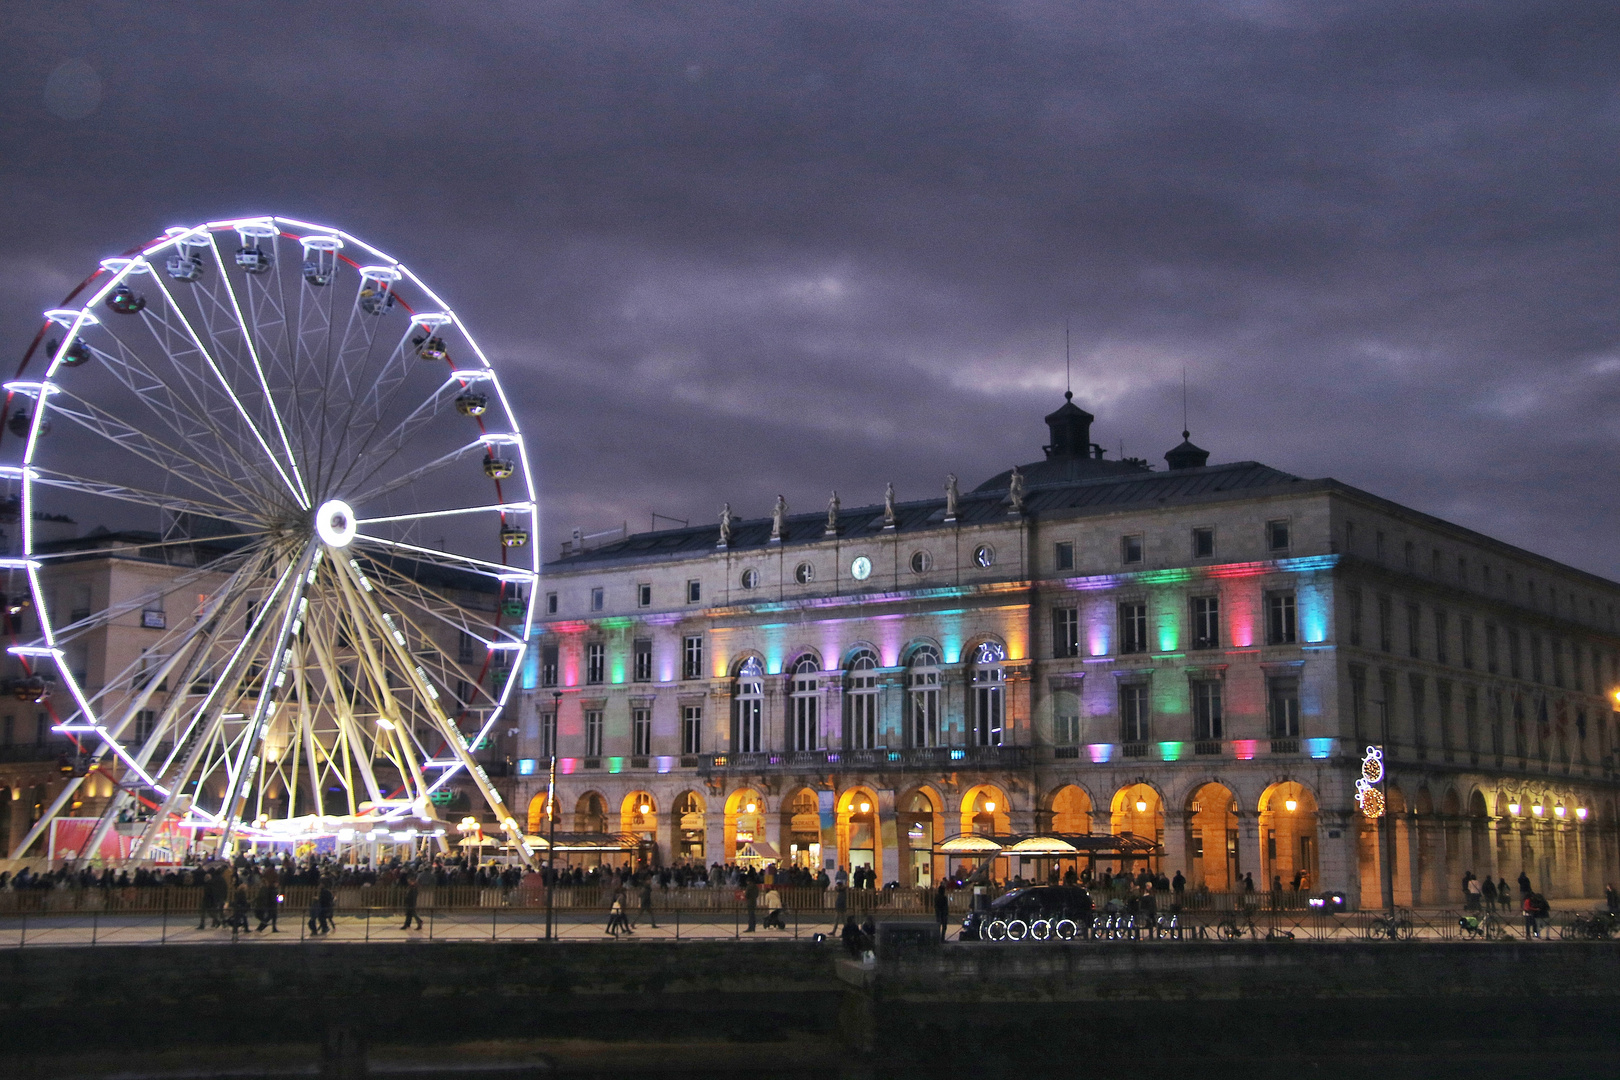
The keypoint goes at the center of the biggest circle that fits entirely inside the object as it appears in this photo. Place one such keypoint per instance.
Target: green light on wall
(1170, 751)
(615, 764)
(1170, 696)
(1164, 577)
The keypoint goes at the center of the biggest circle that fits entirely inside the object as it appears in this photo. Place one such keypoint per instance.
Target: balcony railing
(934, 758)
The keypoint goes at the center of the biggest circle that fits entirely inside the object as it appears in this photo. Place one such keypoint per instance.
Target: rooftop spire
(1070, 426)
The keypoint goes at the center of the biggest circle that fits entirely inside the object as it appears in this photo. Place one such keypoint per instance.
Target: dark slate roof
(979, 507)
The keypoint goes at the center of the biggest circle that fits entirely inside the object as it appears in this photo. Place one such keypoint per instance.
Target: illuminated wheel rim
(996, 931)
(1041, 930)
(1066, 929)
(1017, 929)
(329, 465)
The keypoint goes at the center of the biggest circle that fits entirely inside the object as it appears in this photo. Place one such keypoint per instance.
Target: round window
(750, 579)
(861, 568)
(984, 555)
(921, 561)
(804, 573)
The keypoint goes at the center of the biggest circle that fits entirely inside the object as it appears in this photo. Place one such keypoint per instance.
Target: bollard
(95, 923)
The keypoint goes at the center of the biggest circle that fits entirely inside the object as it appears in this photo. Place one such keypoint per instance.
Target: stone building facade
(1197, 655)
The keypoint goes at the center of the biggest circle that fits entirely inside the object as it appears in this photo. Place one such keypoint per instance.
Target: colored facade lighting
(1100, 752)
(1171, 751)
(1245, 749)
(1319, 748)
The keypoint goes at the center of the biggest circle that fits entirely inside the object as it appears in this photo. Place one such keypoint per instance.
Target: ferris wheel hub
(335, 524)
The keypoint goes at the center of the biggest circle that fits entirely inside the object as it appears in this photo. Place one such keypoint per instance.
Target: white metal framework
(329, 483)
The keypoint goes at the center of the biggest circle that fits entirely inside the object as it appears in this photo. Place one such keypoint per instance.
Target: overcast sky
(721, 251)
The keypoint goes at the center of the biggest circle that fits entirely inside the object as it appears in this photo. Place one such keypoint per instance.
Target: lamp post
(551, 813)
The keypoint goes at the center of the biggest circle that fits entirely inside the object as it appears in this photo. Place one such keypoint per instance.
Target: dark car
(1040, 912)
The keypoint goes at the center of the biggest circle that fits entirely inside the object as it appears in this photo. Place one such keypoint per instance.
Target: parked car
(1040, 912)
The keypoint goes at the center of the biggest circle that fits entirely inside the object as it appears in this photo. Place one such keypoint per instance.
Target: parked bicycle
(1590, 926)
(1397, 927)
(1486, 927)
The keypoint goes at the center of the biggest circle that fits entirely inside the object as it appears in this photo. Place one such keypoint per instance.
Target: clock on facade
(861, 568)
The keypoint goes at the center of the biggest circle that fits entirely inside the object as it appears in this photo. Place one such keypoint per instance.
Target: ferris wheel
(317, 485)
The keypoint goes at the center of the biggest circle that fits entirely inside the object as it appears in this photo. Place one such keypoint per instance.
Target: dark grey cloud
(726, 250)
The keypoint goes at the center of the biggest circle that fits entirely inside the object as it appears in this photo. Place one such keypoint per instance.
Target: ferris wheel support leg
(348, 726)
(388, 704)
(447, 726)
(46, 818)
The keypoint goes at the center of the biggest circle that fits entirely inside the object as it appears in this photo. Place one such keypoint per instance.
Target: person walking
(942, 910)
(413, 894)
(646, 903)
(1528, 906)
(615, 915)
(751, 898)
(264, 904)
(1488, 892)
(328, 907)
(1474, 891)
(239, 909)
(205, 901)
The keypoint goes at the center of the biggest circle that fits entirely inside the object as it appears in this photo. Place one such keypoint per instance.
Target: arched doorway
(1288, 837)
(638, 816)
(745, 819)
(1066, 811)
(801, 830)
(1212, 838)
(537, 813)
(590, 813)
(858, 837)
(1137, 809)
(1479, 833)
(690, 823)
(918, 828)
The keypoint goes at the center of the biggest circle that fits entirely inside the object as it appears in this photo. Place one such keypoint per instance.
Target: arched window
(748, 703)
(988, 694)
(804, 706)
(860, 702)
(922, 697)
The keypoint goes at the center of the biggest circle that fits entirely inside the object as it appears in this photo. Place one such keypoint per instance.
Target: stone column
(888, 839)
(714, 830)
(773, 825)
(1176, 826)
(1338, 858)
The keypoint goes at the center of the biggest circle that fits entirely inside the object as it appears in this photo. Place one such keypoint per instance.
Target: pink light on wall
(1245, 749)
(1100, 752)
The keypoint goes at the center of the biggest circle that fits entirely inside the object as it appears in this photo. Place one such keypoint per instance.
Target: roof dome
(1070, 456)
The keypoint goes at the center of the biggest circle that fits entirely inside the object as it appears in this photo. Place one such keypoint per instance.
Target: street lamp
(1290, 805)
(551, 813)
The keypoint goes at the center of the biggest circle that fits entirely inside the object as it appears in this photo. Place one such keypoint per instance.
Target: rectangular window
(1557, 648)
(1281, 628)
(1435, 563)
(596, 598)
(1386, 624)
(641, 732)
(694, 592)
(1207, 726)
(641, 671)
(691, 729)
(1277, 535)
(1414, 631)
(1065, 632)
(1206, 622)
(1133, 633)
(548, 665)
(922, 703)
(1066, 721)
(1471, 720)
(1535, 658)
(1133, 712)
(145, 722)
(1283, 698)
(1462, 570)
(1350, 538)
(1063, 554)
(1578, 668)
(1378, 546)
(551, 603)
(1358, 701)
(1420, 726)
(988, 707)
(1130, 549)
(1409, 556)
(1353, 599)
(804, 715)
(1442, 655)
(1492, 665)
(692, 656)
(1442, 705)
(595, 662)
(1465, 630)
(593, 732)
(750, 729)
(1203, 542)
(548, 734)
(644, 595)
(466, 647)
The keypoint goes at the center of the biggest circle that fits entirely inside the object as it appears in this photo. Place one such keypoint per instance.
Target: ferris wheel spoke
(126, 493)
(168, 459)
(450, 560)
(418, 474)
(294, 481)
(198, 422)
(377, 454)
(428, 515)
